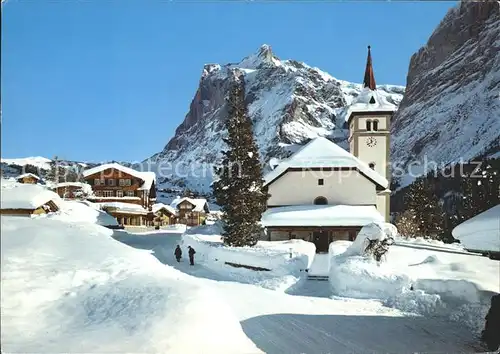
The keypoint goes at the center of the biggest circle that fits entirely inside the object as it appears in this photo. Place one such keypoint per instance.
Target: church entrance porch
(320, 236)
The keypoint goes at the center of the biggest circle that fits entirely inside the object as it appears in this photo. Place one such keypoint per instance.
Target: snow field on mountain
(71, 287)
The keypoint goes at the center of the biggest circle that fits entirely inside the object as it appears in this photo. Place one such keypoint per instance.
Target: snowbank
(354, 275)
(286, 260)
(446, 281)
(75, 211)
(68, 287)
(482, 232)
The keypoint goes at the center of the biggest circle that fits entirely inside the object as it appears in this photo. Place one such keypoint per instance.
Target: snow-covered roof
(199, 203)
(147, 176)
(363, 103)
(125, 207)
(321, 215)
(482, 232)
(158, 206)
(85, 187)
(25, 196)
(25, 175)
(322, 153)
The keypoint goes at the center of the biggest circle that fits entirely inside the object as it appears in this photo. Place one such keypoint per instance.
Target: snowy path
(280, 323)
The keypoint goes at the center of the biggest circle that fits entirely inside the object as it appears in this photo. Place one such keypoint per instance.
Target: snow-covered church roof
(482, 232)
(147, 177)
(322, 153)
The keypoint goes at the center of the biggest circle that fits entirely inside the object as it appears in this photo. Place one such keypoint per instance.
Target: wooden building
(27, 200)
(114, 182)
(163, 215)
(191, 211)
(73, 190)
(28, 178)
(127, 214)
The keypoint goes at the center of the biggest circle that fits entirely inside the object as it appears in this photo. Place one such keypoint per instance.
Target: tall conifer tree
(239, 190)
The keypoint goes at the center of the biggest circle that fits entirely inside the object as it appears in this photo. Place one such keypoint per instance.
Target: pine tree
(423, 201)
(53, 173)
(239, 190)
(407, 223)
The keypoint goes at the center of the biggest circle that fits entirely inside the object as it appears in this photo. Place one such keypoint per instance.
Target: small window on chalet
(119, 193)
(375, 125)
(111, 182)
(372, 100)
(128, 182)
(130, 194)
(321, 182)
(369, 125)
(121, 182)
(372, 165)
(97, 182)
(108, 193)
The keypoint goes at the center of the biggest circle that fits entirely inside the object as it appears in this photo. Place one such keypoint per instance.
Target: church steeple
(369, 80)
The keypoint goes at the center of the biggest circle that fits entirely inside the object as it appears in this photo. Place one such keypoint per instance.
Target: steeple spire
(369, 80)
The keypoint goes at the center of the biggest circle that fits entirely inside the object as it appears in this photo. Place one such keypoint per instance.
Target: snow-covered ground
(69, 283)
(68, 287)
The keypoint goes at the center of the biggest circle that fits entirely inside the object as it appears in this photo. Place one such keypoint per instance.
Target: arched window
(372, 165)
(320, 201)
(375, 125)
(369, 125)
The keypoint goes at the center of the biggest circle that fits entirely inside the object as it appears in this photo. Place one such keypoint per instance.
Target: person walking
(178, 253)
(191, 253)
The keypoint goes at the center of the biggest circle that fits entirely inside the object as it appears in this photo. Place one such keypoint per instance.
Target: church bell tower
(369, 119)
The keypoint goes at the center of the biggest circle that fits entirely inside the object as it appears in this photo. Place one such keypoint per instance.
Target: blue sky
(102, 80)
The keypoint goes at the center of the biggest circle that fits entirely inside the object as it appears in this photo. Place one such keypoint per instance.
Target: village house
(163, 215)
(73, 190)
(114, 182)
(125, 193)
(27, 199)
(191, 211)
(340, 191)
(28, 178)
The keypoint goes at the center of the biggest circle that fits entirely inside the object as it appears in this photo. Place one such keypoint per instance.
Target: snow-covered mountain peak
(288, 101)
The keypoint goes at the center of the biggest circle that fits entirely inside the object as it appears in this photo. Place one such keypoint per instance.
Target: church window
(372, 165)
(375, 125)
(369, 125)
(320, 201)
(321, 182)
(372, 100)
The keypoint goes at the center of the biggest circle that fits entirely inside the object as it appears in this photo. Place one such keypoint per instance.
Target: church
(323, 193)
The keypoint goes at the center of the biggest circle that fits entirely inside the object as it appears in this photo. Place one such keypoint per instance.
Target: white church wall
(376, 154)
(340, 187)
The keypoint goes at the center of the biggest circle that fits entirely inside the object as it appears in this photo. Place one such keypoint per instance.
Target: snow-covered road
(281, 323)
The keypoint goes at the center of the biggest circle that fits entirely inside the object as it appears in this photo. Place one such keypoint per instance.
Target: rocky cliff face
(289, 103)
(451, 108)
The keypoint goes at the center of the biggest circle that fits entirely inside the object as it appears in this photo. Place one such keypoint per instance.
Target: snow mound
(67, 286)
(285, 260)
(362, 277)
(75, 211)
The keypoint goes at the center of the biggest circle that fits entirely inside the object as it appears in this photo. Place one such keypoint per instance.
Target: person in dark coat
(191, 253)
(178, 253)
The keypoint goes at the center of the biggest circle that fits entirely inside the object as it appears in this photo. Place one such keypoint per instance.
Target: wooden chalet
(73, 190)
(162, 215)
(114, 182)
(28, 178)
(27, 200)
(191, 211)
